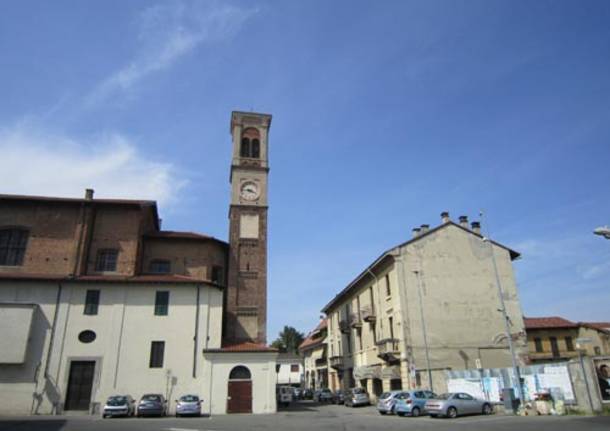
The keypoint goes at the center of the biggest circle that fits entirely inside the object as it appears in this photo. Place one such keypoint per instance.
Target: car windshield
(327, 391)
(152, 397)
(444, 396)
(386, 395)
(189, 398)
(117, 401)
(358, 391)
(404, 396)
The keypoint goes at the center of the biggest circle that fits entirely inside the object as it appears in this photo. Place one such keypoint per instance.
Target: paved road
(307, 416)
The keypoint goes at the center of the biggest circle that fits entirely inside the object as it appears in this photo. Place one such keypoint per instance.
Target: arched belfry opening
(250, 143)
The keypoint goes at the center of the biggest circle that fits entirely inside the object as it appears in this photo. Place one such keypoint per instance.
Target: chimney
(464, 221)
(415, 232)
(88, 194)
(424, 228)
(445, 217)
(476, 227)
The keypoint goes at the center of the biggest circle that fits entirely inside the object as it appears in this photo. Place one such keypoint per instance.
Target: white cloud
(36, 162)
(167, 32)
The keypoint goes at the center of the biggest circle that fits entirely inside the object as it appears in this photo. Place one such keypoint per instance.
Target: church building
(97, 300)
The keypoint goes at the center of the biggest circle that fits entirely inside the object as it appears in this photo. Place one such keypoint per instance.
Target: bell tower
(245, 316)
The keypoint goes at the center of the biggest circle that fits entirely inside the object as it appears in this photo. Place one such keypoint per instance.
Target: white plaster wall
(125, 326)
(216, 376)
(287, 377)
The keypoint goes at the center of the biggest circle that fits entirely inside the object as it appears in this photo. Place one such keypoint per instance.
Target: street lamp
(603, 231)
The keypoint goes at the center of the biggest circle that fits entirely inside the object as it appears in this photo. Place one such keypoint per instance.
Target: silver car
(119, 405)
(188, 405)
(386, 402)
(152, 405)
(357, 397)
(453, 404)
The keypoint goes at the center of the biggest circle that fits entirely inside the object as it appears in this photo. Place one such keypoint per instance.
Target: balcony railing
(344, 326)
(368, 314)
(336, 362)
(388, 350)
(354, 320)
(321, 362)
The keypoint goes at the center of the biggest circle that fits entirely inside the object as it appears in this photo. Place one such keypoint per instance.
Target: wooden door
(80, 383)
(240, 397)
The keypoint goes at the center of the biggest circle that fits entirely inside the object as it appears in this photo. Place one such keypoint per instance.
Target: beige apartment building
(428, 305)
(313, 350)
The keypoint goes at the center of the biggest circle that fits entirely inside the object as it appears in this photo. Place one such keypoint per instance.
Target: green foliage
(288, 340)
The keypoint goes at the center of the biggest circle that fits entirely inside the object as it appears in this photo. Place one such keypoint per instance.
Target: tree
(288, 340)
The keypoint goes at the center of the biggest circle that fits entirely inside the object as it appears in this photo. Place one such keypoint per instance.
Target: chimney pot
(476, 227)
(464, 221)
(416, 231)
(445, 217)
(424, 228)
(88, 194)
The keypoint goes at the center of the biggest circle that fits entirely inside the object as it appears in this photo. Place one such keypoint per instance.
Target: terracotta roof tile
(548, 322)
(310, 341)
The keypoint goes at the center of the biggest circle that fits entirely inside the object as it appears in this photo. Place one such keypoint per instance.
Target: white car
(119, 405)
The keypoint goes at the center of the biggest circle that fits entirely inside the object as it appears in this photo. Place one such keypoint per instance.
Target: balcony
(321, 362)
(344, 326)
(354, 320)
(336, 362)
(368, 314)
(388, 350)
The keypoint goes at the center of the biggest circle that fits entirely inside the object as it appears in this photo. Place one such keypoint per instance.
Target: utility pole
(423, 326)
(511, 347)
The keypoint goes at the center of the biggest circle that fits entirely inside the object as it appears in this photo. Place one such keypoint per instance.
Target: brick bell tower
(245, 317)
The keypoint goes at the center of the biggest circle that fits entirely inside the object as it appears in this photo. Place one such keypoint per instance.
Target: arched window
(245, 147)
(250, 143)
(13, 242)
(256, 149)
(240, 373)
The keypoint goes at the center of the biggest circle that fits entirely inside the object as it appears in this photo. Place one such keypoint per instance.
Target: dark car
(152, 405)
(339, 397)
(323, 396)
(307, 394)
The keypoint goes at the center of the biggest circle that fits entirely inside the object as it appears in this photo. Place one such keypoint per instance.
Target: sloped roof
(548, 322)
(311, 341)
(148, 278)
(246, 346)
(598, 325)
(172, 234)
(388, 253)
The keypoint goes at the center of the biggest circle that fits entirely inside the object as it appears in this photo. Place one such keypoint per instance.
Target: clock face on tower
(249, 191)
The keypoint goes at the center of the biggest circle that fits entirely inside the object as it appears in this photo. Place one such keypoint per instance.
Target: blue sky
(385, 114)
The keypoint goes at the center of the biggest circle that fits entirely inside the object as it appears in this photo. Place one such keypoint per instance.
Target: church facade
(97, 300)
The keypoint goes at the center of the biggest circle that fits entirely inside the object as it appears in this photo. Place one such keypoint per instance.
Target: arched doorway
(240, 390)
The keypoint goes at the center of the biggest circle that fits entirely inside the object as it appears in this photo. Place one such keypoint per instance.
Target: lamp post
(603, 231)
(511, 348)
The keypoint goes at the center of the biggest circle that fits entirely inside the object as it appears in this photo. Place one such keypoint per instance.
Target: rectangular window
(217, 275)
(359, 337)
(388, 288)
(157, 350)
(294, 368)
(92, 301)
(569, 344)
(538, 343)
(374, 332)
(349, 341)
(161, 303)
(554, 347)
(598, 350)
(12, 246)
(160, 266)
(106, 260)
(391, 323)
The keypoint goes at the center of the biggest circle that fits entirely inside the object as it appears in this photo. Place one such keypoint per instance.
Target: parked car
(307, 394)
(152, 405)
(339, 397)
(188, 405)
(357, 397)
(385, 404)
(297, 393)
(412, 403)
(119, 405)
(283, 395)
(323, 396)
(453, 404)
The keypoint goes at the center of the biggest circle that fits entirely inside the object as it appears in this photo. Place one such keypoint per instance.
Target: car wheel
(487, 409)
(433, 416)
(381, 412)
(401, 414)
(452, 412)
(415, 412)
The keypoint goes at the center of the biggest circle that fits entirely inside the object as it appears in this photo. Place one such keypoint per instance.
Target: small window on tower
(245, 148)
(250, 143)
(256, 149)
(106, 260)
(217, 274)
